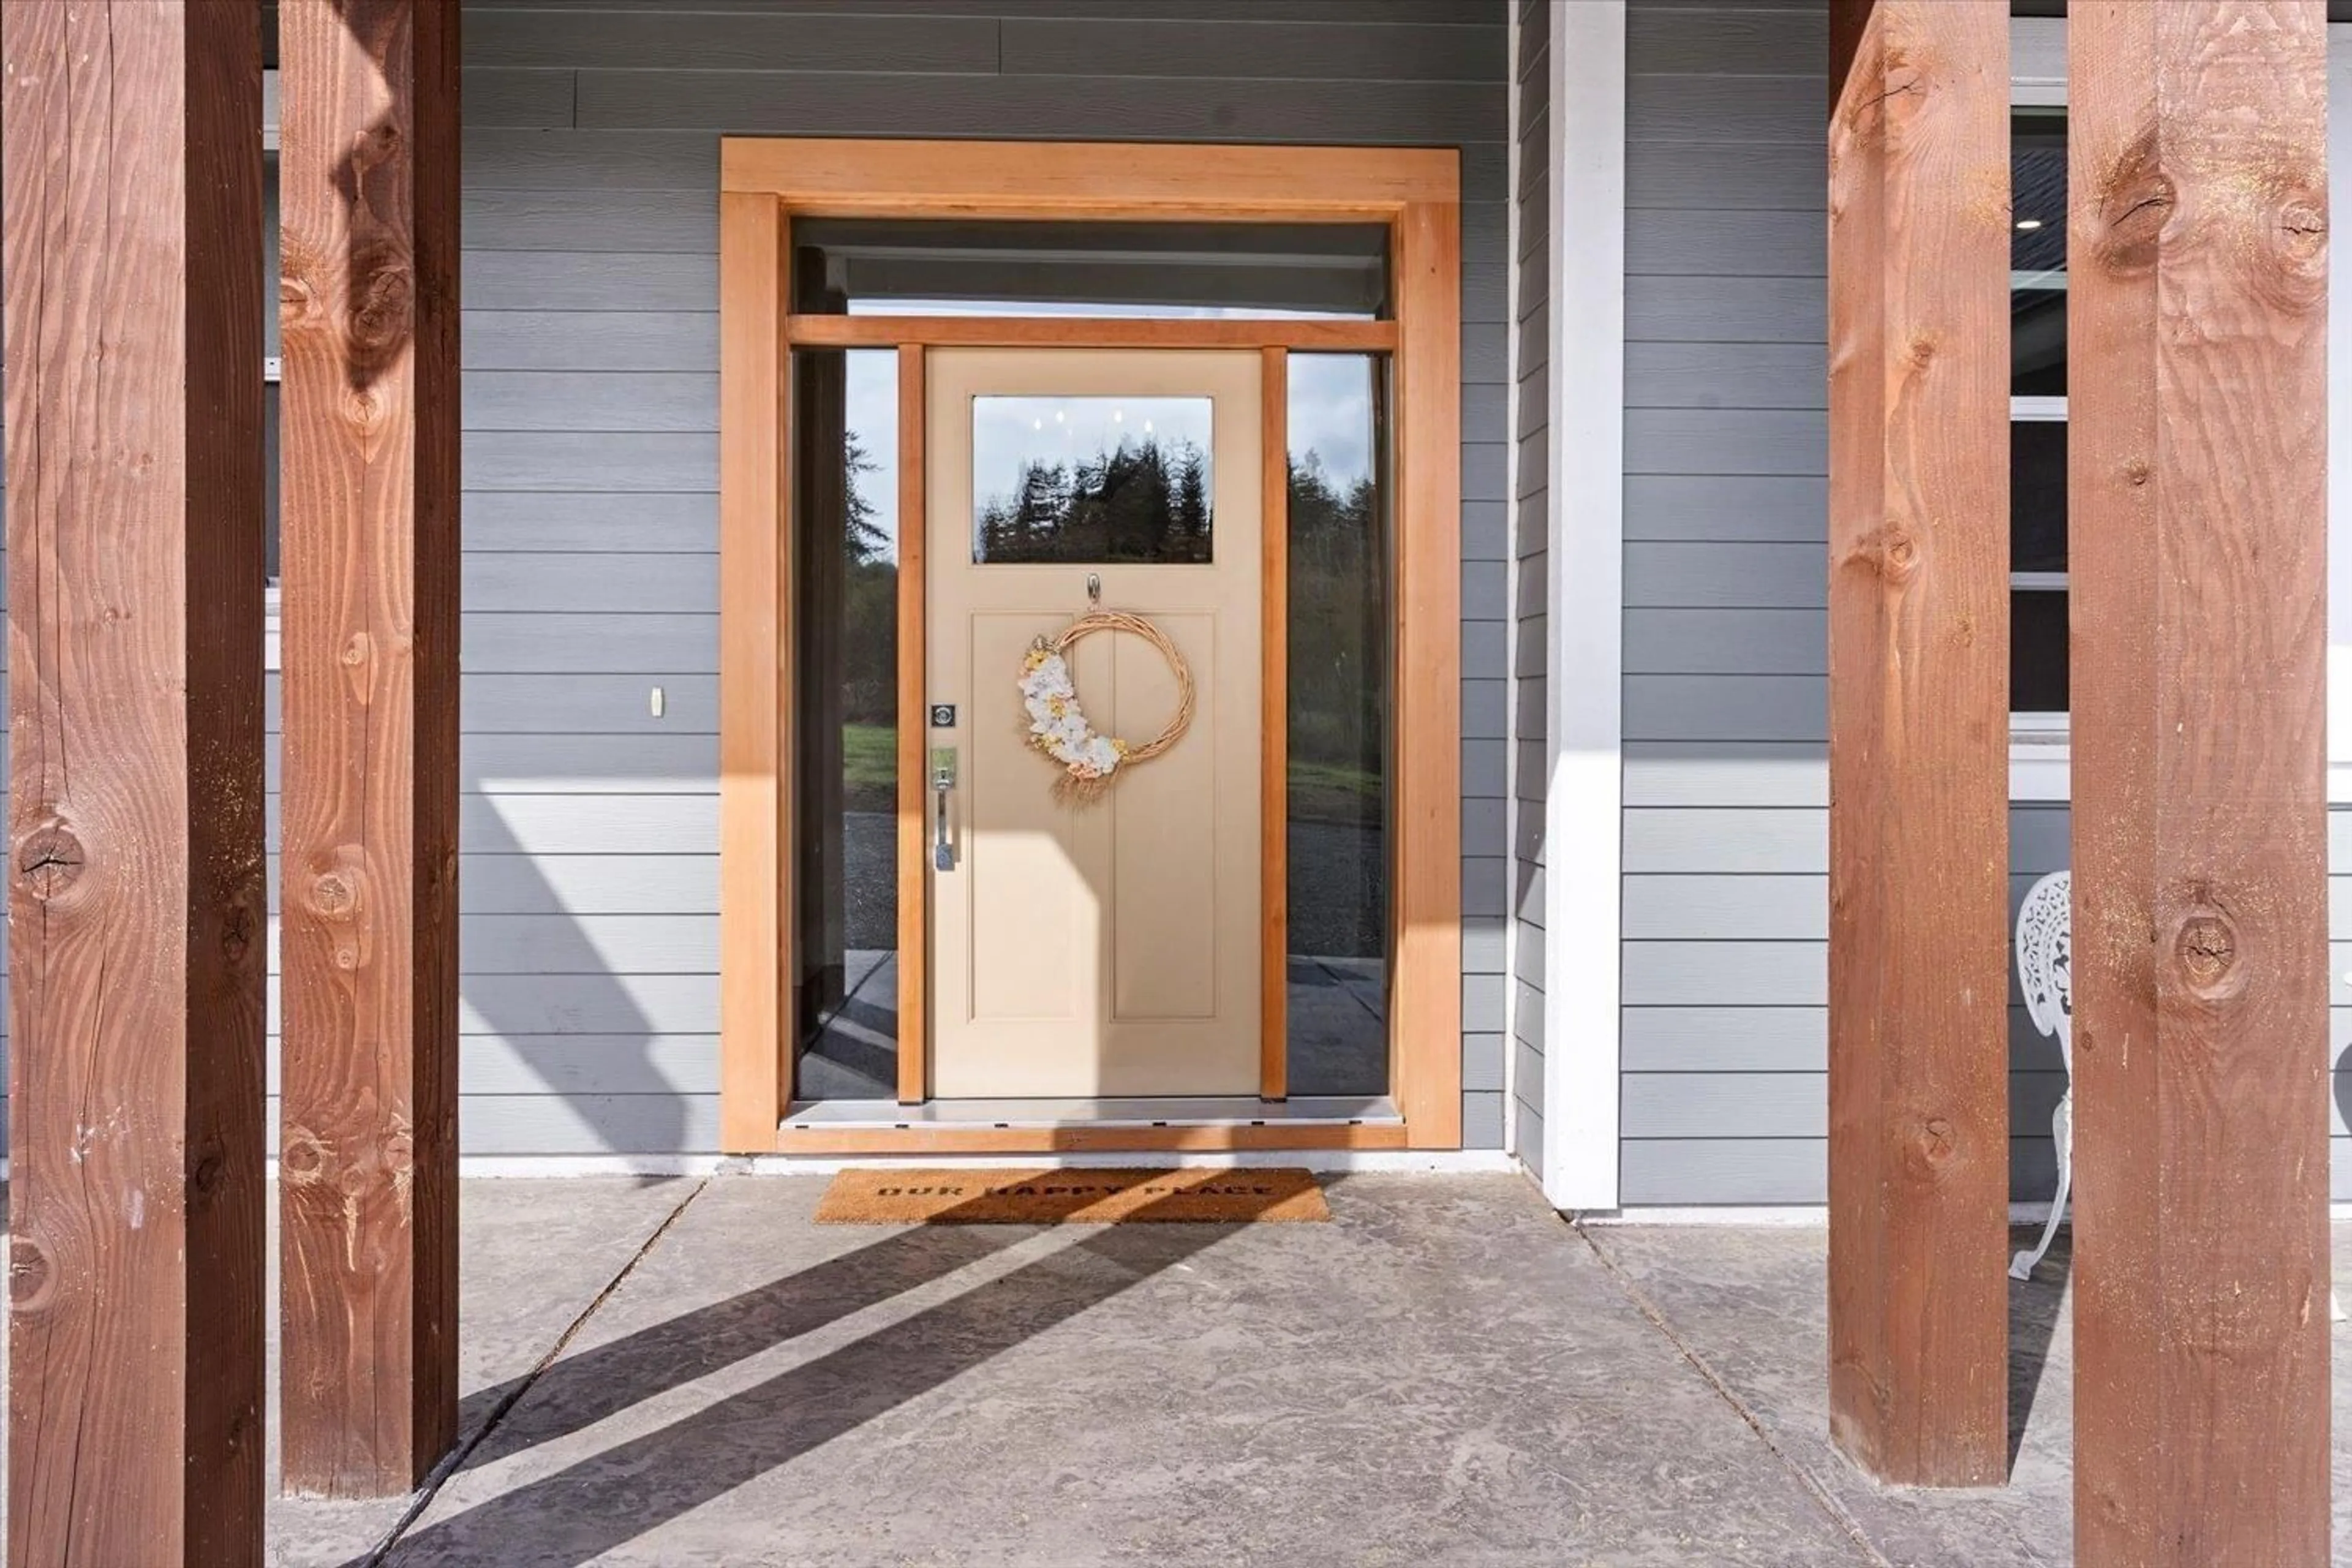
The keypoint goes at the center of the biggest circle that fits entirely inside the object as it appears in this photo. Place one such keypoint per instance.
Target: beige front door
(1111, 949)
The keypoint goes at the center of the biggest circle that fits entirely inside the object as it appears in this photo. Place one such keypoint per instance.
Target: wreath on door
(1058, 726)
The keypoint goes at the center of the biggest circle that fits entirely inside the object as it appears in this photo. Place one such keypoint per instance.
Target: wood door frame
(765, 185)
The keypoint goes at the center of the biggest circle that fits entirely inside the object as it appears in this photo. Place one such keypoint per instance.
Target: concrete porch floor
(1448, 1375)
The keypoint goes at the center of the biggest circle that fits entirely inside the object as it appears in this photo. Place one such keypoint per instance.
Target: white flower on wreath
(1057, 725)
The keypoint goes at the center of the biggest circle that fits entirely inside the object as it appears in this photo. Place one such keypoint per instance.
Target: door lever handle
(943, 780)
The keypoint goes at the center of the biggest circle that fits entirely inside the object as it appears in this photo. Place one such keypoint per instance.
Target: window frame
(2039, 741)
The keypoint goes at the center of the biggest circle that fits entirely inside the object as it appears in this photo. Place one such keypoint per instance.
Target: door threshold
(1212, 1125)
(1237, 1110)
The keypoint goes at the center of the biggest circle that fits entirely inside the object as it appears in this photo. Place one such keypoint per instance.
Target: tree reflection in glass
(1097, 479)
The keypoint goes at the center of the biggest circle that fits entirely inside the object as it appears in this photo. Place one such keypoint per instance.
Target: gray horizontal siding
(1060, 108)
(589, 828)
(1726, 824)
(590, 882)
(1700, 1171)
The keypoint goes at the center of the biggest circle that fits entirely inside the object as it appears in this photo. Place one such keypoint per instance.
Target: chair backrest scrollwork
(2044, 954)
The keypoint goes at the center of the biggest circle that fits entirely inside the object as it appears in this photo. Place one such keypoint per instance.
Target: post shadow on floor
(574, 1515)
(2033, 1307)
(589, 1385)
(556, 1001)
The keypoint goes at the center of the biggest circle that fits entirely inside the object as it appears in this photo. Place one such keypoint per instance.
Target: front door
(1108, 948)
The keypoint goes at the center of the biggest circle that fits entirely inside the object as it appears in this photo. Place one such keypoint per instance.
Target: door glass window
(1091, 480)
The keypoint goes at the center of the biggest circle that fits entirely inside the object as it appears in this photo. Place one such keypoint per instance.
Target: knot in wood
(204, 1178)
(332, 895)
(384, 302)
(2136, 200)
(2137, 472)
(357, 649)
(2298, 246)
(303, 1159)
(49, 860)
(1897, 553)
(2207, 949)
(32, 1280)
(1920, 351)
(237, 932)
(1936, 1141)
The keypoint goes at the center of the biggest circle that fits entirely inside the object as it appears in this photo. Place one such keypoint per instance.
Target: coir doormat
(1112, 1196)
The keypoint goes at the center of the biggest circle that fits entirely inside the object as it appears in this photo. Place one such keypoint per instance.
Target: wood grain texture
(367, 1240)
(1081, 331)
(766, 182)
(914, 735)
(1918, 582)
(1425, 914)
(1274, 726)
(753, 1079)
(2198, 482)
(834, 178)
(136, 902)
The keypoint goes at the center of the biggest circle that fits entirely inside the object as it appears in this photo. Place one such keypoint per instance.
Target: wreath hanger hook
(1093, 589)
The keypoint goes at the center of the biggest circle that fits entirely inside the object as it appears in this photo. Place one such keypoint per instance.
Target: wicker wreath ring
(1058, 726)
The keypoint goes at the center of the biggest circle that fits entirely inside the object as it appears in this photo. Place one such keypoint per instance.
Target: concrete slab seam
(455, 1460)
(1723, 1391)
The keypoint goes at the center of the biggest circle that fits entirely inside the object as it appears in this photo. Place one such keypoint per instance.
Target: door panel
(1111, 949)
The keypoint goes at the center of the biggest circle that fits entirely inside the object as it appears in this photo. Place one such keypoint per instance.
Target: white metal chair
(2046, 973)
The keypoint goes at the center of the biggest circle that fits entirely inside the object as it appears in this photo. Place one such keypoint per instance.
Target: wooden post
(369, 644)
(758, 994)
(2197, 480)
(1918, 1181)
(132, 252)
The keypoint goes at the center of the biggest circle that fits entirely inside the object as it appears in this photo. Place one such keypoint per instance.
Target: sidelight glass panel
(1339, 656)
(845, 583)
(1091, 480)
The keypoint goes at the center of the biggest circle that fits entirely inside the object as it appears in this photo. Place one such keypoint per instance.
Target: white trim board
(1514, 810)
(1584, 659)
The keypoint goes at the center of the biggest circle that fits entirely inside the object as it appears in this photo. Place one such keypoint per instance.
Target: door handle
(943, 781)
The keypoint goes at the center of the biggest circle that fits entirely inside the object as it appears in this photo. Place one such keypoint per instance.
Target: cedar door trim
(765, 185)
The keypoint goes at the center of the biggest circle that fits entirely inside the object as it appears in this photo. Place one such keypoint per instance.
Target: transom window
(1000, 268)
